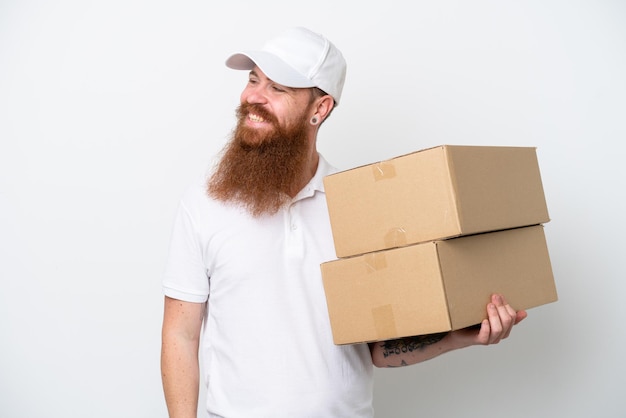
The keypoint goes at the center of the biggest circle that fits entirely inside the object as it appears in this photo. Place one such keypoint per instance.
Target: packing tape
(384, 322)
(383, 170)
(375, 261)
(395, 237)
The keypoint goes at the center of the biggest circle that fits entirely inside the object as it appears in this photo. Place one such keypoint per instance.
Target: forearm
(179, 356)
(501, 318)
(180, 376)
(410, 350)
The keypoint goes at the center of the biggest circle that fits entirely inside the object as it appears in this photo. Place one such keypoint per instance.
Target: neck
(308, 172)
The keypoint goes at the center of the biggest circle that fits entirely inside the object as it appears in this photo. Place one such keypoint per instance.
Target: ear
(324, 106)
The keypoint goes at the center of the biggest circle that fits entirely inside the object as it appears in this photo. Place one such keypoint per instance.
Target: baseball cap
(297, 58)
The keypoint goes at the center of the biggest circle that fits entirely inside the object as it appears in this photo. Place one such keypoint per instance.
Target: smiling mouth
(255, 118)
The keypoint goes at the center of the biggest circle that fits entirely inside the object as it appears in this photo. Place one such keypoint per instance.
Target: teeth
(255, 118)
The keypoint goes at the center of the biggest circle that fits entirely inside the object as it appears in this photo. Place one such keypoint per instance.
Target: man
(242, 285)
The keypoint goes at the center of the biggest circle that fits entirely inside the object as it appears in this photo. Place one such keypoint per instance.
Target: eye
(278, 88)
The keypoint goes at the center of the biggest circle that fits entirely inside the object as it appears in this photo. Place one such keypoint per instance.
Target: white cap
(297, 58)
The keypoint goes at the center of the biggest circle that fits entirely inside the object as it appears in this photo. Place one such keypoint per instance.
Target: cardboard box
(432, 194)
(435, 286)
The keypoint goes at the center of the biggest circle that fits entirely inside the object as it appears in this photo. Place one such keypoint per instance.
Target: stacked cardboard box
(424, 239)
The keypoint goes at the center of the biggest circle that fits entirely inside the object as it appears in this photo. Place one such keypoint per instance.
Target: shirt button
(294, 227)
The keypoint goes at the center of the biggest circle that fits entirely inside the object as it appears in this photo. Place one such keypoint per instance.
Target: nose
(253, 94)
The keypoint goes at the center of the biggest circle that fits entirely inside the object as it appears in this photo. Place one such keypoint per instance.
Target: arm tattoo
(410, 344)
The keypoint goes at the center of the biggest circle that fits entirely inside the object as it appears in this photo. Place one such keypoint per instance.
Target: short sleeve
(186, 276)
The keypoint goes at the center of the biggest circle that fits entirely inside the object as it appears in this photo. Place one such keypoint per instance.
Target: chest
(245, 254)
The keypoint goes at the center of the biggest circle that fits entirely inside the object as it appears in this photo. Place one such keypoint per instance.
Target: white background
(109, 109)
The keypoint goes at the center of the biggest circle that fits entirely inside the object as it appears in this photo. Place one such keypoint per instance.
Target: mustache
(245, 109)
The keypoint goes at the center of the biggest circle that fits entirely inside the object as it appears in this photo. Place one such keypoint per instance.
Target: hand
(501, 318)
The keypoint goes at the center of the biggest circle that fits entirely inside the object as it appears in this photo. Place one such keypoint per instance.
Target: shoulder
(201, 207)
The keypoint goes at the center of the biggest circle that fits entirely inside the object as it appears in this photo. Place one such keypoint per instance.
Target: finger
(520, 316)
(509, 308)
(495, 324)
(485, 331)
(507, 320)
(506, 304)
(516, 316)
(507, 316)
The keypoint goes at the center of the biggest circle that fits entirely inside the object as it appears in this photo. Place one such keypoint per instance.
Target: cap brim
(274, 68)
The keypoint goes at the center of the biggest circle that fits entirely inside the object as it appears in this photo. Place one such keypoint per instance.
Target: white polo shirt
(266, 345)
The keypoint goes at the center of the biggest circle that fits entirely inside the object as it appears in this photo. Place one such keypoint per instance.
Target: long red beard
(259, 170)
